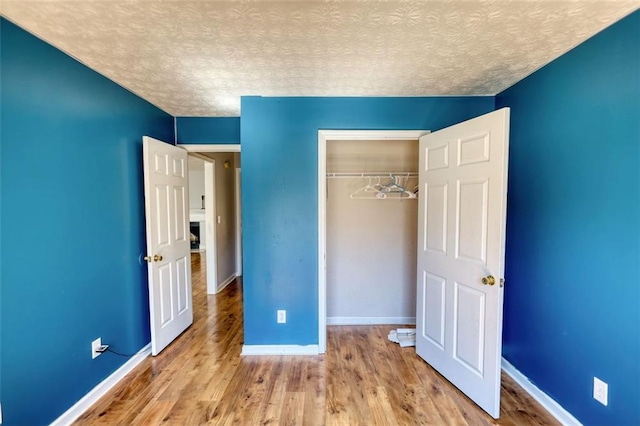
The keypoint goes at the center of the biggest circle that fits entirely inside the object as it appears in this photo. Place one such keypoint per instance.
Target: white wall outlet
(282, 316)
(600, 391)
(95, 345)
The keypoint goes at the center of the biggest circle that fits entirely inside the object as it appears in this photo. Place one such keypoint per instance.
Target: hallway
(363, 379)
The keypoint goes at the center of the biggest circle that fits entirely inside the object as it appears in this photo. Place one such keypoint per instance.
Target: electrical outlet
(95, 345)
(282, 317)
(600, 391)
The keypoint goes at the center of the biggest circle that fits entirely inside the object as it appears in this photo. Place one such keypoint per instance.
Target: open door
(461, 240)
(166, 194)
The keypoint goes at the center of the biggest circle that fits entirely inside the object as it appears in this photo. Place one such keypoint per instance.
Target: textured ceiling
(196, 58)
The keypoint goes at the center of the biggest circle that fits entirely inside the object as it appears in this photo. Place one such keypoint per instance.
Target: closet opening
(368, 210)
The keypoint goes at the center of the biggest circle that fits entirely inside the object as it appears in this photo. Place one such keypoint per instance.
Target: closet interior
(372, 220)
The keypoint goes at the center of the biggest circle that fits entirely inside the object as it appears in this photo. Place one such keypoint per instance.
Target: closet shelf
(372, 174)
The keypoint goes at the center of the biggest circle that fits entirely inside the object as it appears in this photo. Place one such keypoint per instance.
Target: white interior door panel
(461, 240)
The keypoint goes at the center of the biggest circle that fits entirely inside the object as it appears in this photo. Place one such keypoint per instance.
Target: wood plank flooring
(362, 380)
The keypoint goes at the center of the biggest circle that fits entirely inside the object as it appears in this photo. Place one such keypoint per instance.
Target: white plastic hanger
(363, 193)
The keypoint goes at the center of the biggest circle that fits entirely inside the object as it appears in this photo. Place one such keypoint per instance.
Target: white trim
(200, 156)
(211, 239)
(355, 135)
(370, 320)
(322, 241)
(549, 404)
(323, 137)
(210, 147)
(279, 350)
(238, 208)
(226, 282)
(102, 388)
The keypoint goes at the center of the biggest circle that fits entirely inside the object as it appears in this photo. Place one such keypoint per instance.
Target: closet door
(461, 235)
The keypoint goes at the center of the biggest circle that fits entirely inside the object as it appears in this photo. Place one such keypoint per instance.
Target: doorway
(215, 202)
(372, 210)
(335, 136)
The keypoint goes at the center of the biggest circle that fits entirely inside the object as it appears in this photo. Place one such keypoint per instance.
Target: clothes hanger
(395, 187)
(368, 189)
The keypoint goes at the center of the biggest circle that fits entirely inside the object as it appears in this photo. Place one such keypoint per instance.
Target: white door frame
(210, 147)
(211, 212)
(208, 233)
(210, 207)
(323, 137)
(238, 192)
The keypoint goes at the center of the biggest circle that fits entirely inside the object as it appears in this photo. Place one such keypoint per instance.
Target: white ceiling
(196, 58)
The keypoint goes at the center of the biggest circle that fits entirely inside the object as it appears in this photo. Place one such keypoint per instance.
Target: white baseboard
(101, 388)
(556, 410)
(370, 320)
(280, 350)
(226, 282)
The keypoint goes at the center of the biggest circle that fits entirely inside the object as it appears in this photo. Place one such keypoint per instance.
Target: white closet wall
(371, 243)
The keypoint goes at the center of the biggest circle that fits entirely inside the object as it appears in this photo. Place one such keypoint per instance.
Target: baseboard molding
(556, 410)
(370, 320)
(226, 282)
(279, 350)
(101, 388)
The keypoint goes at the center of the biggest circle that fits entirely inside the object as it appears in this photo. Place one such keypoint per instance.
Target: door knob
(489, 280)
(158, 258)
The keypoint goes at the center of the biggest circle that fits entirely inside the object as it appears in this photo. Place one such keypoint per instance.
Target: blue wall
(280, 196)
(72, 225)
(572, 299)
(208, 130)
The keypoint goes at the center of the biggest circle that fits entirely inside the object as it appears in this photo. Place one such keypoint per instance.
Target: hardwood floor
(362, 380)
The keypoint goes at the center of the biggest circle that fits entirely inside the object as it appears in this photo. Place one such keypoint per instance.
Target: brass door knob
(489, 280)
(158, 258)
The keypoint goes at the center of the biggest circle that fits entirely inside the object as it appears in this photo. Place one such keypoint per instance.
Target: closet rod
(372, 174)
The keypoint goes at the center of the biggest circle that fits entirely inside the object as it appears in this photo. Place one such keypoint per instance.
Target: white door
(461, 239)
(166, 194)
